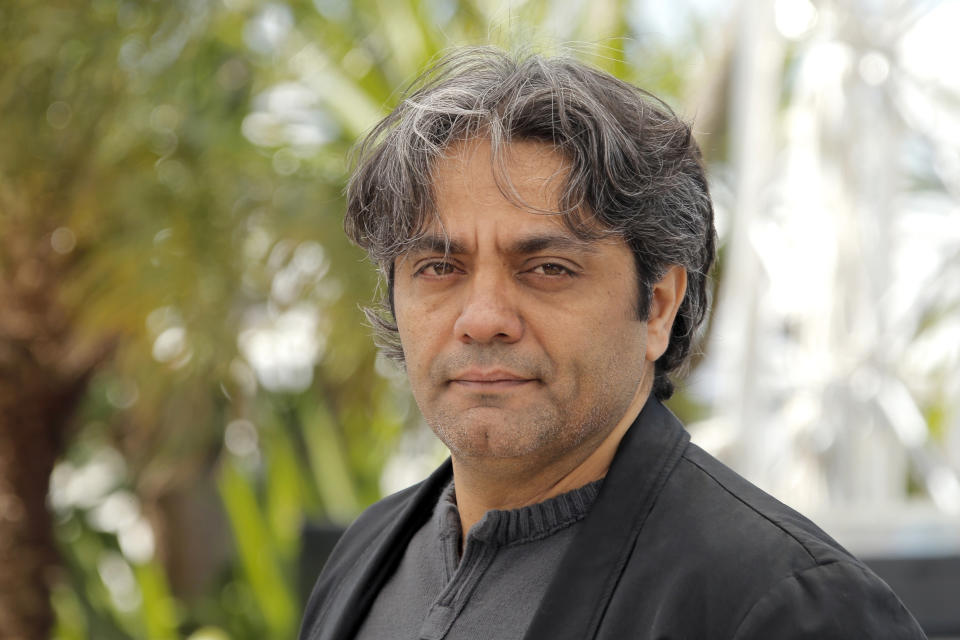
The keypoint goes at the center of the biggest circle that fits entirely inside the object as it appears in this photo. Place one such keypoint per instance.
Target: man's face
(522, 341)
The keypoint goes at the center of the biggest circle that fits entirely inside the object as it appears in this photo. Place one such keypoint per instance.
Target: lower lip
(490, 385)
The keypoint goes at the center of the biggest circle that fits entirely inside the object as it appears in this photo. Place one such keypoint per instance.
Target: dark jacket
(676, 546)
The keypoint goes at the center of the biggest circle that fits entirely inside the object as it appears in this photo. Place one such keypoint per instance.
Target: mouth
(489, 380)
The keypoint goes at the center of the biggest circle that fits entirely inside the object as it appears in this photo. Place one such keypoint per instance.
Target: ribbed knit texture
(494, 589)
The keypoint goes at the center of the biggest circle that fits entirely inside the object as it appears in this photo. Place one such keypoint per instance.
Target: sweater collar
(504, 527)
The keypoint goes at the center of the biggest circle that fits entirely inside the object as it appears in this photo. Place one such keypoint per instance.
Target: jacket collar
(349, 607)
(577, 597)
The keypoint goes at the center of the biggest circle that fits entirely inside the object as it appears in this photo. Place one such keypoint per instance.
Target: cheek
(418, 335)
(406, 317)
(618, 348)
(409, 339)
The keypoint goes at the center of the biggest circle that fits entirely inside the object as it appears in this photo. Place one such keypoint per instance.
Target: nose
(489, 312)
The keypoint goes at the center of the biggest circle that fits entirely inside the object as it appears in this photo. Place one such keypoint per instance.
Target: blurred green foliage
(186, 161)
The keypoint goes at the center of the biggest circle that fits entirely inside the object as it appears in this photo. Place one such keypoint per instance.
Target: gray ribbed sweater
(494, 589)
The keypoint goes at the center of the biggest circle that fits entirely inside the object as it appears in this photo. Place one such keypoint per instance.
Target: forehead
(528, 174)
(517, 189)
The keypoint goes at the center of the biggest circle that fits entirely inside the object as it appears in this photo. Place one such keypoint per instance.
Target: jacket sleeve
(836, 601)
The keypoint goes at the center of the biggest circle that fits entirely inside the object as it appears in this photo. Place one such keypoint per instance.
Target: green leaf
(258, 555)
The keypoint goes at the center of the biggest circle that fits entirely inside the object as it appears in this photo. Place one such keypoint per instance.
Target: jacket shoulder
(831, 601)
(788, 578)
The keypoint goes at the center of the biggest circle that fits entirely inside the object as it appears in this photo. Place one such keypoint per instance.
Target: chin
(495, 438)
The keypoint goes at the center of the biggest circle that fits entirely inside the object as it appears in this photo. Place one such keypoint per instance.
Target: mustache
(447, 366)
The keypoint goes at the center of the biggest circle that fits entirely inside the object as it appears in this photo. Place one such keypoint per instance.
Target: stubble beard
(533, 430)
(533, 435)
(492, 425)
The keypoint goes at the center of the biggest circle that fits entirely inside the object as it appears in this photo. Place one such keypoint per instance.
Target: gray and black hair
(633, 170)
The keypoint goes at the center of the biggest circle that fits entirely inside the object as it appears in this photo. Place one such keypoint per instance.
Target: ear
(665, 300)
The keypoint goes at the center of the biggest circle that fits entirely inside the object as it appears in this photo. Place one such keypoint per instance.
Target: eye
(551, 269)
(437, 269)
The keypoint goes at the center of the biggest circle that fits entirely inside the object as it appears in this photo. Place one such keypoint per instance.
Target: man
(545, 232)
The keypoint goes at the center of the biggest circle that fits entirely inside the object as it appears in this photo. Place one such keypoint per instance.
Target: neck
(483, 485)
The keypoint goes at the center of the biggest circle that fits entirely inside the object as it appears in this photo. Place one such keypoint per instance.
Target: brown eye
(442, 268)
(551, 269)
(438, 269)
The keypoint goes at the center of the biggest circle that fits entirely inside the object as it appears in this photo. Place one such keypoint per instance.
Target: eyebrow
(543, 242)
(435, 243)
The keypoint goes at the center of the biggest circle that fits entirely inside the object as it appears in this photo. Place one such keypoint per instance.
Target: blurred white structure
(833, 364)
